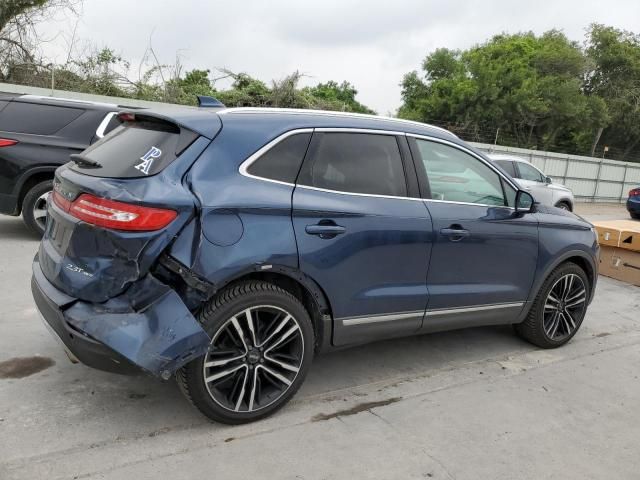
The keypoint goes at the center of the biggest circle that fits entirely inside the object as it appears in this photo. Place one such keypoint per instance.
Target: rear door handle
(325, 230)
(455, 234)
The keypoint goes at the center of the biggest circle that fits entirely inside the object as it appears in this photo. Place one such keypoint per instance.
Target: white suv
(534, 181)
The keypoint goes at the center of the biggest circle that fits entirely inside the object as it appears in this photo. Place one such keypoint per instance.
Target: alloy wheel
(40, 210)
(565, 307)
(253, 358)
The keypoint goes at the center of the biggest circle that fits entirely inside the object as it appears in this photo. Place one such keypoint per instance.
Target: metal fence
(591, 179)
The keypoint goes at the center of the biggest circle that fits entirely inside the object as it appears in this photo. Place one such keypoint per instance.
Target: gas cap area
(222, 227)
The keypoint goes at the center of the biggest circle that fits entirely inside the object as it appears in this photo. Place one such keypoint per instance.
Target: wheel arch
(580, 258)
(30, 179)
(305, 289)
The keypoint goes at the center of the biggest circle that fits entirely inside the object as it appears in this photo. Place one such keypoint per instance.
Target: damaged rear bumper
(148, 328)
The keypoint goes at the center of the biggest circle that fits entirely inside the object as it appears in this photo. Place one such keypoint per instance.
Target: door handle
(455, 233)
(325, 229)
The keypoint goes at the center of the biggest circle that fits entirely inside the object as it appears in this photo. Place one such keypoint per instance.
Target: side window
(527, 172)
(456, 176)
(507, 166)
(282, 162)
(356, 163)
(23, 117)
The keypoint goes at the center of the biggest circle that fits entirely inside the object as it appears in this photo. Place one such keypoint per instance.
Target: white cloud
(371, 44)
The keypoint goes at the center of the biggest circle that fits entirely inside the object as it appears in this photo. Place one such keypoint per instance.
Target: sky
(371, 44)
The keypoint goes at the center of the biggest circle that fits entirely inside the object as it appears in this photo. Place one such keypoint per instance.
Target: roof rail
(331, 113)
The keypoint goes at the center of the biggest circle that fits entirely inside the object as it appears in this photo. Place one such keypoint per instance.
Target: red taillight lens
(5, 142)
(60, 201)
(634, 192)
(116, 215)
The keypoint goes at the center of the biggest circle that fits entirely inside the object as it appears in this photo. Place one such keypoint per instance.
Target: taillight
(6, 142)
(60, 201)
(117, 215)
(634, 192)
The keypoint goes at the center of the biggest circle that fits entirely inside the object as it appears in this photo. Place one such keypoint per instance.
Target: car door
(484, 254)
(360, 236)
(533, 181)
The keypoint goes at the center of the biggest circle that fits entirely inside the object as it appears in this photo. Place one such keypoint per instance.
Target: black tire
(33, 204)
(215, 317)
(635, 216)
(564, 206)
(533, 328)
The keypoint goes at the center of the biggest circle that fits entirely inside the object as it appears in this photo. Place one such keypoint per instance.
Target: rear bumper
(157, 338)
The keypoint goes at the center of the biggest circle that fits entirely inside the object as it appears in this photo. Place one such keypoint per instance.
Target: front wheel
(261, 348)
(559, 308)
(34, 206)
(635, 216)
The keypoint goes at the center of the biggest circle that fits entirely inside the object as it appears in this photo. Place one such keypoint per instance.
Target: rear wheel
(261, 348)
(34, 206)
(635, 216)
(559, 308)
(564, 206)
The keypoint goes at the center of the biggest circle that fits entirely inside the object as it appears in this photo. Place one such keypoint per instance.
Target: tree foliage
(543, 92)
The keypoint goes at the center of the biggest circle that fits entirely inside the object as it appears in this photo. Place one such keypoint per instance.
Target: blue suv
(228, 246)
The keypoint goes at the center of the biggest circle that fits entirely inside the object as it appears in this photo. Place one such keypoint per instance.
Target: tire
(34, 207)
(281, 334)
(635, 216)
(545, 313)
(564, 206)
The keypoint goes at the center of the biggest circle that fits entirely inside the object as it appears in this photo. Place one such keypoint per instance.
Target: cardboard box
(630, 240)
(620, 264)
(619, 233)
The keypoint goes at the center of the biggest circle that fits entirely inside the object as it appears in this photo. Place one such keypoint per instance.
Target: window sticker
(147, 160)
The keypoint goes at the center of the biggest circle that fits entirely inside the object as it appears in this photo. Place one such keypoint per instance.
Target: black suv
(37, 135)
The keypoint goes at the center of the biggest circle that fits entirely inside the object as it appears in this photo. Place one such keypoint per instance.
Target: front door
(360, 236)
(484, 255)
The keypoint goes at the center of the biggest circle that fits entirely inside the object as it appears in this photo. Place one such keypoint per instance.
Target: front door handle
(325, 229)
(455, 233)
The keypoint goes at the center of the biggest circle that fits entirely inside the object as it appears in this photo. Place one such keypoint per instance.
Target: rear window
(283, 161)
(136, 149)
(36, 119)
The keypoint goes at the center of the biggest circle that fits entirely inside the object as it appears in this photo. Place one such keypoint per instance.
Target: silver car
(535, 182)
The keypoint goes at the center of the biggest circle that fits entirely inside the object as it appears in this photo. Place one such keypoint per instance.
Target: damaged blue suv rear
(227, 247)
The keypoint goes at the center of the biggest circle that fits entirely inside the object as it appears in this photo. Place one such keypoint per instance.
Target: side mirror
(548, 179)
(524, 202)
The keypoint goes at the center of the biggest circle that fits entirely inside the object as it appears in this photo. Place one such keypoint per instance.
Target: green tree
(528, 86)
(615, 77)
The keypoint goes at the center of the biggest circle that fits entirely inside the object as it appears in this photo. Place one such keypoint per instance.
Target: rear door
(484, 255)
(360, 235)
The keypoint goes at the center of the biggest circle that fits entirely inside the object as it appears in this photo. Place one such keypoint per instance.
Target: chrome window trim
(103, 124)
(264, 149)
(330, 113)
(390, 317)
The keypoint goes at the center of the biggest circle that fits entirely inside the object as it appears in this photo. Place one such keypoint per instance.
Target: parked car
(633, 203)
(228, 247)
(535, 182)
(37, 135)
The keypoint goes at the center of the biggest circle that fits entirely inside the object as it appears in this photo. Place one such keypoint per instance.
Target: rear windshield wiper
(83, 161)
